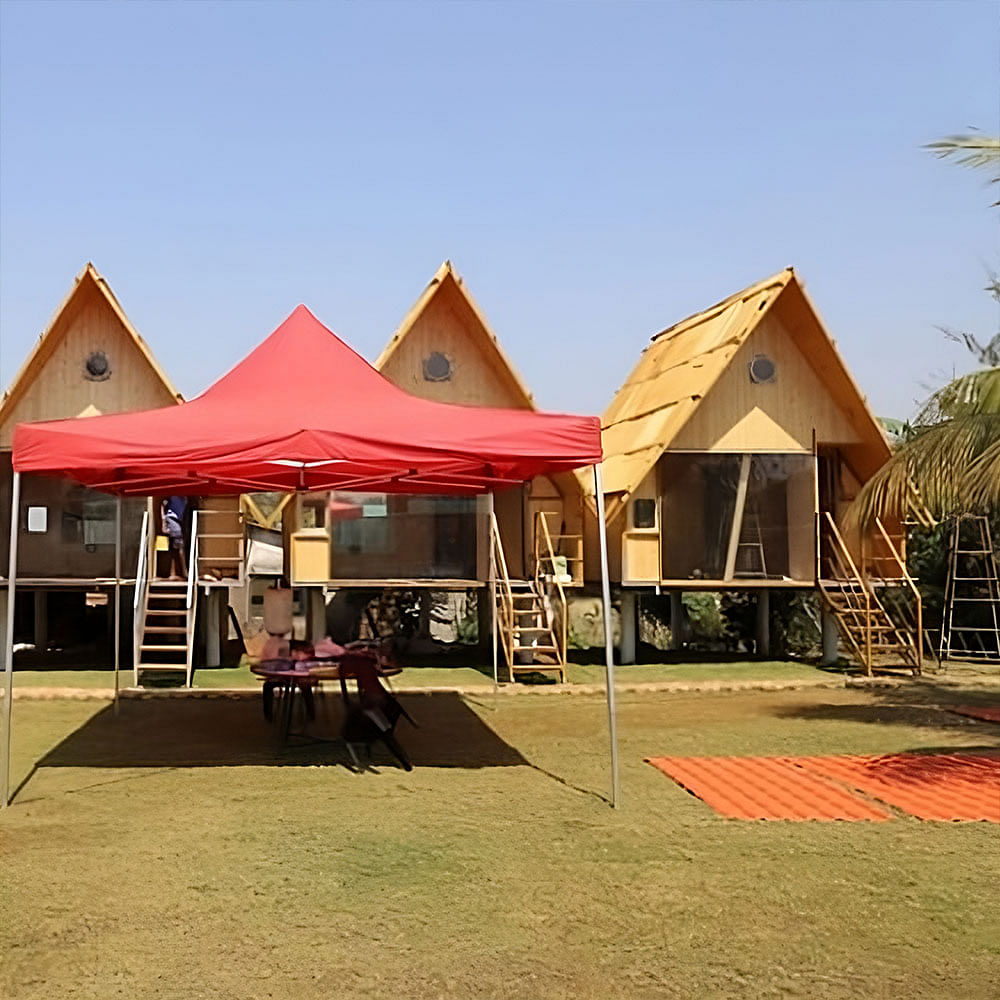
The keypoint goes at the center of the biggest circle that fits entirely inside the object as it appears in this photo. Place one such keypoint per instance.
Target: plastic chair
(373, 716)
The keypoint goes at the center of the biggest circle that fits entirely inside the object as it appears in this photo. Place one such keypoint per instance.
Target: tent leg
(118, 596)
(493, 596)
(8, 701)
(609, 654)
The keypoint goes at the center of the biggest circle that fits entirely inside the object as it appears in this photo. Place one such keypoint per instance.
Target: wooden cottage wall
(639, 552)
(56, 386)
(448, 326)
(60, 387)
(478, 375)
(738, 415)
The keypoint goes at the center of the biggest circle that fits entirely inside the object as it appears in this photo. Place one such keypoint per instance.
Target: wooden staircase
(529, 630)
(878, 615)
(164, 615)
(166, 629)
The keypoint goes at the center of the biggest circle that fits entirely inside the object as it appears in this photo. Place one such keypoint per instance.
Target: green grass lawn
(457, 675)
(177, 852)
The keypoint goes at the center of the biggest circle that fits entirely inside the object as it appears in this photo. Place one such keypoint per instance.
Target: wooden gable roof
(682, 363)
(447, 319)
(92, 315)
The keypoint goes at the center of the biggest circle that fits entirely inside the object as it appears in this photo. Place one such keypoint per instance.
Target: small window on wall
(98, 523)
(644, 513)
(38, 520)
(314, 512)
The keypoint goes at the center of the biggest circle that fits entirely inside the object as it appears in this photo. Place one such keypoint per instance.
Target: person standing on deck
(173, 513)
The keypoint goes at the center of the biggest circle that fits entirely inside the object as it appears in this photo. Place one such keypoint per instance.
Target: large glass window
(402, 536)
(730, 517)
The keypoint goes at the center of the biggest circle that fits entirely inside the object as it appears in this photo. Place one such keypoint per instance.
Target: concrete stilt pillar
(676, 620)
(213, 626)
(315, 614)
(831, 638)
(41, 619)
(629, 616)
(424, 604)
(484, 616)
(763, 623)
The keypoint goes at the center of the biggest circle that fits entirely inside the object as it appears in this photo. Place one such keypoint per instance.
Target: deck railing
(548, 581)
(191, 604)
(139, 597)
(504, 594)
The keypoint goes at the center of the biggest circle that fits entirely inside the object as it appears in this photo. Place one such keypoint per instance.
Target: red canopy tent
(304, 412)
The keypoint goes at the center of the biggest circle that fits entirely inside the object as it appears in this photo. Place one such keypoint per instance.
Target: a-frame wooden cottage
(444, 350)
(89, 360)
(731, 453)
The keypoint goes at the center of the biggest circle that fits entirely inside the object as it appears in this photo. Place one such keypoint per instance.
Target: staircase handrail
(506, 592)
(501, 563)
(554, 580)
(191, 603)
(911, 585)
(139, 596)
(844, 551)
(844, 554)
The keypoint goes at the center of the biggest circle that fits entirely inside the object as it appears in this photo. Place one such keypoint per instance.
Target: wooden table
(288, 675)
(285, 676)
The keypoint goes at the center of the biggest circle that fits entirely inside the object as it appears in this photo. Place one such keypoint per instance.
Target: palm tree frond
(983, 479)
(977, 393)
(945, 468)
(975, 151)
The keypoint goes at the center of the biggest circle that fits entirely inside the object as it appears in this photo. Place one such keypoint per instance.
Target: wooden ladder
(165, 615)
(857, 601)
(971, 626)
(524, 625)
(750, 561)
(166, 630)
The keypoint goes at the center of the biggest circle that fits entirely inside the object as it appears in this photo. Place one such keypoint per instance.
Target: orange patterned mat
(928, 786)
(987, 713)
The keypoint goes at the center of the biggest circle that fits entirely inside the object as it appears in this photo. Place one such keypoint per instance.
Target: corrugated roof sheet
(674, 373)
(765, 788)
(944, 787)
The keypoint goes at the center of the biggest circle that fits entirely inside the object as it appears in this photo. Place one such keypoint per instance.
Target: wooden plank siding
(691, 392)
(53, 384)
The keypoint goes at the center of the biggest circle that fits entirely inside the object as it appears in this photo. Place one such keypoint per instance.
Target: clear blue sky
(595, 172)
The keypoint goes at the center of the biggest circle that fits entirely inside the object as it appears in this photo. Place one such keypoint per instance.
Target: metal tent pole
(118, 594)
(493, 593)
(8, 704)
(609, 653)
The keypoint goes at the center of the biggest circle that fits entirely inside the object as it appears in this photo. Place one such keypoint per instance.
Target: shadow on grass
(231, 732)
(162, 734)
(916, 705)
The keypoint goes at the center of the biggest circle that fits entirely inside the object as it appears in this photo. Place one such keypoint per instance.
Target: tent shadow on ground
(232, 732)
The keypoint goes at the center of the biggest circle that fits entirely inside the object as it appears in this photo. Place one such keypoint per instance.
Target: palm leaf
(946, 467)
(969, 395)
(983, 480)
(981, 152)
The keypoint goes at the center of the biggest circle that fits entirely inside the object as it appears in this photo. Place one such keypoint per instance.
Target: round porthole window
(762, 369)
(97, 367)
(437, 367)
